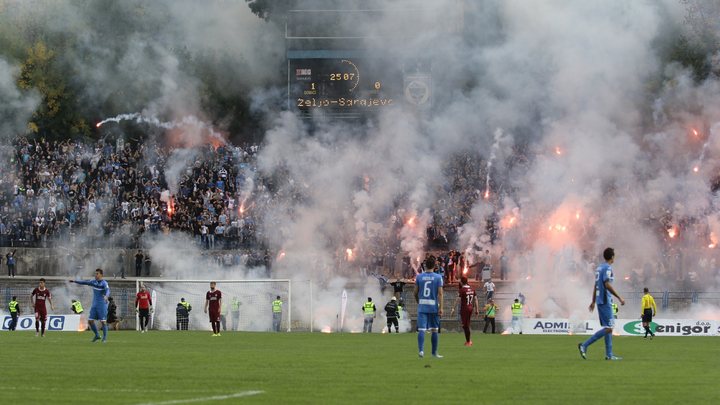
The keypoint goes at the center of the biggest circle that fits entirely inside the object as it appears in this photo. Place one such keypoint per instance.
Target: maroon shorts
(41, 314)
(214, 316)
(465, 316)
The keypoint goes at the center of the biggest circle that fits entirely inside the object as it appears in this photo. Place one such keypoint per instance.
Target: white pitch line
(203, 399)
(105, 390)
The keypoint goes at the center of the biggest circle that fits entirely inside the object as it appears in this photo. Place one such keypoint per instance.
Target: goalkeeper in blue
(602, 296)
(99, 309)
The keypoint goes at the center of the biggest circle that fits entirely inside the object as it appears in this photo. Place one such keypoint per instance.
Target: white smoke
(16, 106)
(595, 147)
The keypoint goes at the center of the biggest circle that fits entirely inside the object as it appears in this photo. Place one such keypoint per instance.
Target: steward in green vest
(14, 308)
(369, 311)
(517, 309)
(277, 313)
(235, 312)
(517, 314)
(182, 315)
(76, 307)
(490, 311)
(223, 315)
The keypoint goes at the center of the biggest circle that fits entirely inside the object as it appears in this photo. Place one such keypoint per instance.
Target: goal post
(246, 304)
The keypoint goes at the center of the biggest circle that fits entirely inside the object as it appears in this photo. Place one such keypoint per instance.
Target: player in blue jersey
(602, 296)
(99, 309)
(429, 296)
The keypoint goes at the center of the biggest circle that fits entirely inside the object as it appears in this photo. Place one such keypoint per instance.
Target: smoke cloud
(571, 117)
(16, 106)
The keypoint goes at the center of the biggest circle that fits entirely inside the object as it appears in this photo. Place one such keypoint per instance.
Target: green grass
(135, 368)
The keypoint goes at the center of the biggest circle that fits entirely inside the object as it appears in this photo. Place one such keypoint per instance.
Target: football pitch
(316, 368)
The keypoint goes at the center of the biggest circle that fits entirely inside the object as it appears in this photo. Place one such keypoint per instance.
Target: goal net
(246, 304)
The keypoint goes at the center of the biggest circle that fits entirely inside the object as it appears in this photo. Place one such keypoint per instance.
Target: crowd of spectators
(111, 193)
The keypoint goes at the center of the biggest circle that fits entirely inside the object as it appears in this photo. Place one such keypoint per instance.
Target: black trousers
(144, 317)
(489, 321)
(393, 321)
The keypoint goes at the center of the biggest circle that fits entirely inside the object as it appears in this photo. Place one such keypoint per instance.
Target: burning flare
(171, 206)
(672, 232)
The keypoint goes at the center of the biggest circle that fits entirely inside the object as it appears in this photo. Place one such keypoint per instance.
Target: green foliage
(318, 368)
(272, 10)
(690, 54)
(57, 116)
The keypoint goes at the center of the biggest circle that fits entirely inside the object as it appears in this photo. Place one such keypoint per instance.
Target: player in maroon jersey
(143, 306)
(39, 296)
(213, 300)
(468, 301)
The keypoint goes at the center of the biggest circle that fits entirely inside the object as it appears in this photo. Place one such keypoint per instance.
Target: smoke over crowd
(557, 129)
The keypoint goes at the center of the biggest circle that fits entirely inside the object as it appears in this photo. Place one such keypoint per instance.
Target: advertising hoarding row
(623, 327)
(55, 323)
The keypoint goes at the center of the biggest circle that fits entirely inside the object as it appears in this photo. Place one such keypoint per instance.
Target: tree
(57, 115)
(270, 10)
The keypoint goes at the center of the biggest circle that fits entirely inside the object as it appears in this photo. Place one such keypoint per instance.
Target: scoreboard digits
(342, 86)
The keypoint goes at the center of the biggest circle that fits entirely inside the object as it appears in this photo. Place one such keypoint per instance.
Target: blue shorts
(426, 321)
(98, 312)
(607, 319)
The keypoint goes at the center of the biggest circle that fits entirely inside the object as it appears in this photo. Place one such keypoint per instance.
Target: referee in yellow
(649, 309)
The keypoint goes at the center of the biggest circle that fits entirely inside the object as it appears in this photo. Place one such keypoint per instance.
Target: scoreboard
(348, 86)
